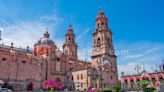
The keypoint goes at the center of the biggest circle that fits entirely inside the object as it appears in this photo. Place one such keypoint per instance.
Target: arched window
(58, 59)
(77, 77)
(69, 39)
(98, 42)
(98, 39)
(82, 76)
(72, 77)
(111, 77)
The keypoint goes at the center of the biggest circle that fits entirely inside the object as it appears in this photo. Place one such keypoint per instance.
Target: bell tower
(70, 47)
(103, 56)
(102, 36)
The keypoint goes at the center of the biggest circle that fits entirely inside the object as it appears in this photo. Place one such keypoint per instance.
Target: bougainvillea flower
(157, 83)
(52, 84)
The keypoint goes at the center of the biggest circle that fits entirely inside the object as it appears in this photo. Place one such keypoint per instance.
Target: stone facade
(47, 62)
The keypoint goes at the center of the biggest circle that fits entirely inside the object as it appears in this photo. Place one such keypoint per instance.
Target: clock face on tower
(106, 63)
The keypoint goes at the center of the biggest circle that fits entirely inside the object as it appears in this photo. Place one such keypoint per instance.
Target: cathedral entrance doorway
(30, 86)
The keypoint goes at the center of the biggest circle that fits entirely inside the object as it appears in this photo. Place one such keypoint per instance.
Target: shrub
(104, 90)
(117, 88)
(144, 83)
(148, 90)
(153, 88)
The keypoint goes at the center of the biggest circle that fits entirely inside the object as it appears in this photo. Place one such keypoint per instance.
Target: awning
(145, 77)
(160, 76)
(125, 78)
(131, 78)
(152, 76)
(137, 78)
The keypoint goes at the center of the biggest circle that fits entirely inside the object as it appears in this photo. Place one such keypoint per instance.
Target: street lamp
(12, 52)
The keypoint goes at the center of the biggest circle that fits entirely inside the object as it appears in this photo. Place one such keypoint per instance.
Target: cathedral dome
(46, 39)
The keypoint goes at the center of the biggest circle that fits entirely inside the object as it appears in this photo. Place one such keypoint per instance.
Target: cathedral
(23, 68)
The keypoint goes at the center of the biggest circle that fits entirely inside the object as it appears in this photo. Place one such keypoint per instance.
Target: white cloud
(26, 33)
(129, 68)
(51, 20)
(82, 34)
(59, 43)
(85, 53)
(151, 53)
(1, 29)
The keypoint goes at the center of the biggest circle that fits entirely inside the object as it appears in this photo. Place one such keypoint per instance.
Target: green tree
(144, 83)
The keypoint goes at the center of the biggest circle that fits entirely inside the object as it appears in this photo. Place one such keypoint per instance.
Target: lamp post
(46, 69)
(46, 57)
(12, 52)
(40, 70)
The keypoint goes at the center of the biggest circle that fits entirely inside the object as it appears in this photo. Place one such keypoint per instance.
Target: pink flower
(52, 84)
(157, 83)
(92, 90)
(48, 84)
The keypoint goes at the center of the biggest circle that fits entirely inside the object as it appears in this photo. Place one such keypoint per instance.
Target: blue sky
(137, 26)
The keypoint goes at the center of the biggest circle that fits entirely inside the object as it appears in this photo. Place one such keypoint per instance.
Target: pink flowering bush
(59, 85)
(92, 90)
(49, 84)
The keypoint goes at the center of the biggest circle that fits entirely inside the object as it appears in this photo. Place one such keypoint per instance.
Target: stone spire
(70, 46)
(101, 21)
